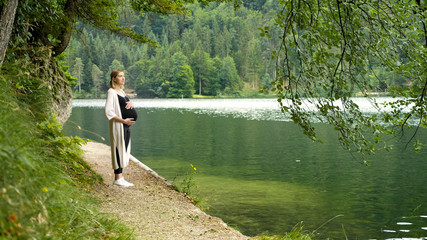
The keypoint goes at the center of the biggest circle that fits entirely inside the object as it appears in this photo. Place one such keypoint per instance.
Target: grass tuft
(297, 233)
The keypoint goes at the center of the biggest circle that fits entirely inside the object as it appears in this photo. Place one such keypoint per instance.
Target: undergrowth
(44, 181)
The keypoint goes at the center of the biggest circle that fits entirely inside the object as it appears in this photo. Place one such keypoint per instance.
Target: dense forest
(213, 50)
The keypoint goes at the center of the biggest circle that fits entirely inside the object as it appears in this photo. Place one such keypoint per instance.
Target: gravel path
(151, 207)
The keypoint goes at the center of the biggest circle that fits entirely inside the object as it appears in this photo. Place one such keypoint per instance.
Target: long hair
(113, 75)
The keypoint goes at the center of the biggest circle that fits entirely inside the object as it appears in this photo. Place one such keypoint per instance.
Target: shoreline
(151, 208)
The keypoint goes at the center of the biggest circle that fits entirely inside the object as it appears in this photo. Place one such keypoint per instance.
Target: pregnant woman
(121, 115)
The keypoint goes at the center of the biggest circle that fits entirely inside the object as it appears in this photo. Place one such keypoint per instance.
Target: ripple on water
(406, 238)
(404, 223)
(253, 109)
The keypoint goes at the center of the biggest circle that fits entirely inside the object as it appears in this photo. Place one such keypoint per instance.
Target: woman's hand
(129, 121)
(129, 105)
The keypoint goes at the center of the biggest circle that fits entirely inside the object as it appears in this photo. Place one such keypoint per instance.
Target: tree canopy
(329, 50)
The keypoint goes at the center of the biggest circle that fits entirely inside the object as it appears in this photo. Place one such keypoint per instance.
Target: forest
(213, 50)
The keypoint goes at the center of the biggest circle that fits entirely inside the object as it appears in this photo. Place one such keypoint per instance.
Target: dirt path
(151, 208)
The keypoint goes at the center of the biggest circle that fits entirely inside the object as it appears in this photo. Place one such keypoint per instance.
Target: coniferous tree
(158, 72)
(211, 79)
(229, 79)
(173, 29)
(199, 62)
(215, 34)
(226, 38)
(255, 64)
(78, 71)
(218, 64)
(97, 78)
(88, 81)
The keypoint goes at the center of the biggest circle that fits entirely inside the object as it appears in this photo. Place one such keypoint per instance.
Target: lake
(259, 173)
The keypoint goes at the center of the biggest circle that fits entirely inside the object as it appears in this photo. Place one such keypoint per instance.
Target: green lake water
(259, 173)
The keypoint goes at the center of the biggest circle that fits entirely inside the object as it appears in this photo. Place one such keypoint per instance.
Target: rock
(57, 84)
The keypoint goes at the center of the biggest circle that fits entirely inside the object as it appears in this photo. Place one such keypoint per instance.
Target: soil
(151, 208)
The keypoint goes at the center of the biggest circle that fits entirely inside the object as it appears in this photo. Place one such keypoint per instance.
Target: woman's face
(120, 79)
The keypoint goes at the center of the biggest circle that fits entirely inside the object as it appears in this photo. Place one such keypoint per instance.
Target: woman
(121, 114)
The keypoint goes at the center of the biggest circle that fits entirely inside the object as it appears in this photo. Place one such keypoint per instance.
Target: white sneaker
(122, 183)
(128, 183)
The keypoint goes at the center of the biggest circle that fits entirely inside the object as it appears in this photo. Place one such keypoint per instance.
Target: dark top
(126, 113)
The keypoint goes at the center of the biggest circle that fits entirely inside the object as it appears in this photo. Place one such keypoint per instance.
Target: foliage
(229, 79)
(206, 36)
(38, 81)
(50, 24)
(187, 185)
(68, 150)
(203, 69)
(44, 176)
(78, 68)
(331, 49)
(97, 79)
(183, 83)
(42, 22)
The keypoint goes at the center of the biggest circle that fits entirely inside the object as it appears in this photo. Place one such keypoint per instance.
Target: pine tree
(255, 63)
(97, 76)
(199, 60)
(230, 80)
(78, 71)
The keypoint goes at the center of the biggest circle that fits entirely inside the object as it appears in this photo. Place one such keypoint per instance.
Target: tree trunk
(65, 36)
(6, 25)
(200, 85)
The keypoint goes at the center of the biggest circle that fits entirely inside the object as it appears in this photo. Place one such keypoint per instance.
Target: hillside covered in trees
(212, 50)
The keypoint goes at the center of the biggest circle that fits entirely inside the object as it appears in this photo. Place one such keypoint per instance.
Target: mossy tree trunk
(6, 25)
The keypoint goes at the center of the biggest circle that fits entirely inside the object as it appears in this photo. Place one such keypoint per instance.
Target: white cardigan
(117, 140)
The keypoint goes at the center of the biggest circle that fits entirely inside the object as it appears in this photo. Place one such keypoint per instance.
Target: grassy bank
(44, 183)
